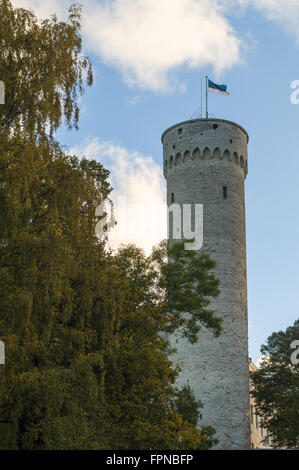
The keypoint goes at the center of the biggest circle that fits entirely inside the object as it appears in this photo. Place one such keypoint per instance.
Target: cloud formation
(285, 13)
(139, 193)
(44, 9)
(147, 40)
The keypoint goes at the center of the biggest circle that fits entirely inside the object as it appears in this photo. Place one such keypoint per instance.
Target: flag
(218, 89)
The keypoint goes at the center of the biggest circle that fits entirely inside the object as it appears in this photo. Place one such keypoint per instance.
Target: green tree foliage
(49, 272)
(187, 286)
(276, 388)
(87, 363)
(143, 360)
(179, 281)
(43, 71)
(186, 404)
(188, 407)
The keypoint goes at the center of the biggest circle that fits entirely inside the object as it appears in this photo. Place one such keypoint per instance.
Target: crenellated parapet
(204, 141)
(207, 154)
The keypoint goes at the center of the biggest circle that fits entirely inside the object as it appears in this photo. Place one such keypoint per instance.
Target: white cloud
(138, 196)
(147, 40)
(285, 13)
(43, 8)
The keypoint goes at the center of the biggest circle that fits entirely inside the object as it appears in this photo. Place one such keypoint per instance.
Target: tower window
(172, 198)
(224, 192)
(215, 126)
(180, 130)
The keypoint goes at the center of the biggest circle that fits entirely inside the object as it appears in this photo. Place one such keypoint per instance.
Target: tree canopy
(43, 70)
(276, 388)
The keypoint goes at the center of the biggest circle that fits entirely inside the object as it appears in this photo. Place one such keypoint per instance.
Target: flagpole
(207, 113)
(201, 104)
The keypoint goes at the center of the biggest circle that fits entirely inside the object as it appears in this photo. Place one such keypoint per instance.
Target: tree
(181, 282)
(49, 255)
(276, 388)
(186, 404)
(186, 284)
(145, 398)
(49, 273)
(43, 71)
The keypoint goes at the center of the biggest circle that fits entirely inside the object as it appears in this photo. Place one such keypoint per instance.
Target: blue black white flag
(217, 89)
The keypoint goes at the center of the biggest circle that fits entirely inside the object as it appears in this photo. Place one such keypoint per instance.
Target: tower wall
(201, 158)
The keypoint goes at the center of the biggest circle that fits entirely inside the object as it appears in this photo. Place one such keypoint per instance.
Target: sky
(149, 57)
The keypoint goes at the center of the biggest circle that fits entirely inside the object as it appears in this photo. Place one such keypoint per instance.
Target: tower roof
(205, 120)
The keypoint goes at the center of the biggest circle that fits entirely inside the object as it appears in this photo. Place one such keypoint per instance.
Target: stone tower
(205, 162)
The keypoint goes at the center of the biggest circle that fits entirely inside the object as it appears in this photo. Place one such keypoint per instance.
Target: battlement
(204, 141)
(197, 155)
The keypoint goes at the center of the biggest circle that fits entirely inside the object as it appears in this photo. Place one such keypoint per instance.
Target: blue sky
(147, 82)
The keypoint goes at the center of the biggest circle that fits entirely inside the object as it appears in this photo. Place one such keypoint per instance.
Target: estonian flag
(218, 89)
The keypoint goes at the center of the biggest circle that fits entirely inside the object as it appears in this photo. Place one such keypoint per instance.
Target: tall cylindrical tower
(205, 162)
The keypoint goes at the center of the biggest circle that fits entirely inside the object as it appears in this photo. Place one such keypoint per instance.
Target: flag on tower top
(218, 89)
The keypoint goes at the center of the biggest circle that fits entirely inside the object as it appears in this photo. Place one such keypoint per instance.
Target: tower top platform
(204, 120)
